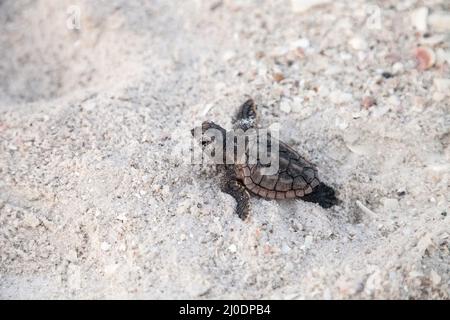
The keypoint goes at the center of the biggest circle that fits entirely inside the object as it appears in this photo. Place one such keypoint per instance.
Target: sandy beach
(98, 195)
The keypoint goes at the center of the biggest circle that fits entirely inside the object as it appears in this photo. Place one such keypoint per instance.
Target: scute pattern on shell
(296, 176)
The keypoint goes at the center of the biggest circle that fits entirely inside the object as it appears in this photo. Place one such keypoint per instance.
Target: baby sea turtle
(294, 178)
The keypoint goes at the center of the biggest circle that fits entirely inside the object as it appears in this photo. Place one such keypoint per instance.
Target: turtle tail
(323, 195)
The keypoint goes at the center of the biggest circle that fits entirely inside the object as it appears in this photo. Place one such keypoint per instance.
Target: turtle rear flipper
(323, 195)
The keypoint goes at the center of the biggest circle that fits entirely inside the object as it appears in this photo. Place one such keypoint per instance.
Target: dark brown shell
(296, 176)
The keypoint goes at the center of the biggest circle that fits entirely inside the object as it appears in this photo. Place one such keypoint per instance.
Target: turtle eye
(205, 141)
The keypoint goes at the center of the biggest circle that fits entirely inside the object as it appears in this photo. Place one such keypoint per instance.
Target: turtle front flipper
(240, 194)
(246, 117)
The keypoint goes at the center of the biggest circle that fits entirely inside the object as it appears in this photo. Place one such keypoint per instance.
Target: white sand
(98, 198)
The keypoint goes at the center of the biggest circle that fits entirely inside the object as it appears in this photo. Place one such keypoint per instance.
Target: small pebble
(393, 101)
(440, 21)
(285, 248)
(435, 278)
(397, 68)
(345, 56)
(442, 56)
(308, 241)
(122, 217)
(111, 269)
(302, 43)
(358, 43)
(105, 246)
(30, 220)
(438, 96)
(425, 243)
(228, 55)
(442, 85)
(419, 19)
(285, 106)
(278, 77)
(433, 40)
(373, 282)
(416, 274)
(300, 6)
(71, 255)
(368, 102)
(339, 97)
(387, 75)
(232, 248)
(341, 124)
(425, 57)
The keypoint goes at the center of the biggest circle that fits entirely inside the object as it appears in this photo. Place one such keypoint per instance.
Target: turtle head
(208, 134)
(206, 125)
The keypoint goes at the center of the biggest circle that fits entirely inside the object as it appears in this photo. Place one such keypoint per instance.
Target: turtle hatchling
(286, 176)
